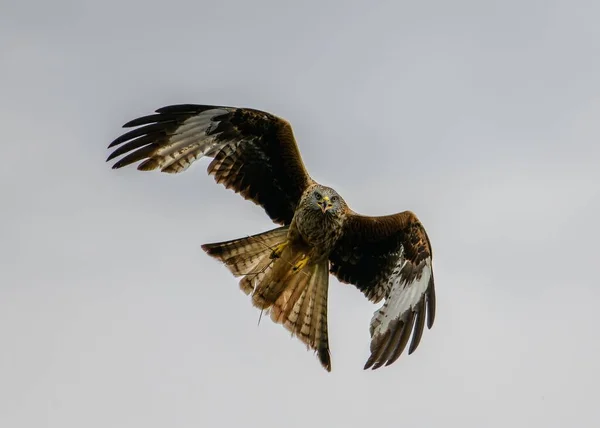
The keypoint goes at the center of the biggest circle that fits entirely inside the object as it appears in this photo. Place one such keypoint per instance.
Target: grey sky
(481, 118)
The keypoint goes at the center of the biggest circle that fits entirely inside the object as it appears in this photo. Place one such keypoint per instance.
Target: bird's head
(327, 200)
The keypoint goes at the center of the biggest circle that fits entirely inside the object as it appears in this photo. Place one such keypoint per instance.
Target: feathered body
(286, 270)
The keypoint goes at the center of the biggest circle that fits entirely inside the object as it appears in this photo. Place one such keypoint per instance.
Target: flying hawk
(286, 269)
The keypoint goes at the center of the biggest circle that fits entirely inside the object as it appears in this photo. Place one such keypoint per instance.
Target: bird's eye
(318, 196)
(334, 199)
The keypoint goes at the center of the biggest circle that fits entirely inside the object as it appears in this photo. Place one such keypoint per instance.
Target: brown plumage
(286, 270)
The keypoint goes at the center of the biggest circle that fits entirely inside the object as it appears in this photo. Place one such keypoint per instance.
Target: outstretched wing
(255, 153)
(389, 257)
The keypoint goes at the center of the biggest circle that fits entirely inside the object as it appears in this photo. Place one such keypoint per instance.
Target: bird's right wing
(255, 153)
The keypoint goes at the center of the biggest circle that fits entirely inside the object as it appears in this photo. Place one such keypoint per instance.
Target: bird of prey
(286, 269)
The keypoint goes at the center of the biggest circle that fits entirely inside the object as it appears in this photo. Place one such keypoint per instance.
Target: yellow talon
(301, 263)
(278, 251)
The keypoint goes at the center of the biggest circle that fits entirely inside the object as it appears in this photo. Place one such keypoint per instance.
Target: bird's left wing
(389, 257)
(254, 152)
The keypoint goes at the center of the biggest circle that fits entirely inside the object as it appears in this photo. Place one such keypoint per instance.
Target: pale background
(481, 117)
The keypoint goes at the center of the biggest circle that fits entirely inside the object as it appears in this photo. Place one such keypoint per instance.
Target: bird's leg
(301, 263)
(278, 250)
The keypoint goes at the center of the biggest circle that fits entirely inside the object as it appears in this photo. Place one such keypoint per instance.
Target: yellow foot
(279, 250)
(301, 263)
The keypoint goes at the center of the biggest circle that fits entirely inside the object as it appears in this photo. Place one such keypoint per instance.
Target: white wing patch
(189, 142)
(402, 297)
(392, 324)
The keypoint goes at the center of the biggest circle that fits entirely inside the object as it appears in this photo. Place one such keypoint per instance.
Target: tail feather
(302, 309)
(248, 257)
(278, 278)
(248, 282)
(295, 299)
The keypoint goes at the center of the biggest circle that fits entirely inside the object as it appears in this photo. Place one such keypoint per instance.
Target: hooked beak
(325, 204)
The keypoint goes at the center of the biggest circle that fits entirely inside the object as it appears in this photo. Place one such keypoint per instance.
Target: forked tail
(249, 257)
(295, 297)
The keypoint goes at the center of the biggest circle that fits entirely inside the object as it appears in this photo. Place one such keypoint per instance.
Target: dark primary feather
(255, 153)
(369, 254)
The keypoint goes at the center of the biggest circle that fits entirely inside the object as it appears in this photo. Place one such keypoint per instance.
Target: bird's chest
(318, 230)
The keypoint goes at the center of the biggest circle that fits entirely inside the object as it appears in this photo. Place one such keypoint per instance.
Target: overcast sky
(481, 118)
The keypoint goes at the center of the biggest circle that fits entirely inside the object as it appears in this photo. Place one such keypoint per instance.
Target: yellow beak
(325, 204)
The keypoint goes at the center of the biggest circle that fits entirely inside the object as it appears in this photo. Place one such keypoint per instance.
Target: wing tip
(388, 347)
(431, 302)
(114, 142)
(369, 363)
(373, 364)
(379, 344)
(111, 156)
(116, 165)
